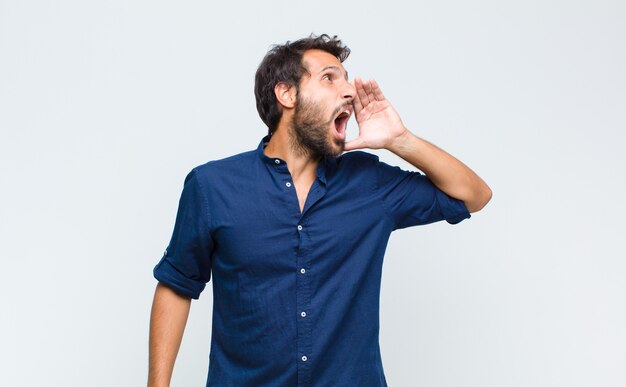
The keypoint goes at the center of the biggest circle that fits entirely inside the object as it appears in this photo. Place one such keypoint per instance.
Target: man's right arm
(167, 324)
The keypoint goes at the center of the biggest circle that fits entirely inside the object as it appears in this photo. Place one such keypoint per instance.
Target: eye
(327, 77)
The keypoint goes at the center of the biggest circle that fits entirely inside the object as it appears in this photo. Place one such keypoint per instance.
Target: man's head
(323, 105)
(313, 63)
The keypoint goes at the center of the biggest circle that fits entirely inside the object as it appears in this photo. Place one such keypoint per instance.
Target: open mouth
(341, 122)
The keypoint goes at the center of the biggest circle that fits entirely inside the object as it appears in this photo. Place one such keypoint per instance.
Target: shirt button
(288, 184)
(304, 358)
(299, 228)
(303, 314)
(277, 161)
(302, 271)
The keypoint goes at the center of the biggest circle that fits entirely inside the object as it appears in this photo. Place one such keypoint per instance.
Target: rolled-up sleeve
(411, 199)
(186, 264)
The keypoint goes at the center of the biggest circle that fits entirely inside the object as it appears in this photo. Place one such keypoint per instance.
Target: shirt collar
(322, 167)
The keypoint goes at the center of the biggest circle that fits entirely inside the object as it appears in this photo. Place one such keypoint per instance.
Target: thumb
(357, 143)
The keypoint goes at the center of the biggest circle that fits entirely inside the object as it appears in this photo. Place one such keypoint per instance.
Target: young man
(294, 232)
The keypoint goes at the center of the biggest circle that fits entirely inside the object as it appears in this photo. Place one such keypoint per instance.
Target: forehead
(316, 61)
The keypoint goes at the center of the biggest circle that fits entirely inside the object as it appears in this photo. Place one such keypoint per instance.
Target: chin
(337, 147)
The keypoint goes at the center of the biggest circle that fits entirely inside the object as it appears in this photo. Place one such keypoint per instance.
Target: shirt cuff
(168, 275)
(453, 210)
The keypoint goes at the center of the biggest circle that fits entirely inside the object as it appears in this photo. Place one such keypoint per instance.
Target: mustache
(340, 108)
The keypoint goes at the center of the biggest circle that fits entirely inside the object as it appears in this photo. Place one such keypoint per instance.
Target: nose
(349, 91)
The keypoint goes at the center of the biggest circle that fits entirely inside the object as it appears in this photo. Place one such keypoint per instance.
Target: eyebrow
(333, 68)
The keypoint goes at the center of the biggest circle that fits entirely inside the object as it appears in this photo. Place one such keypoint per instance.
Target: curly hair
(283, 63)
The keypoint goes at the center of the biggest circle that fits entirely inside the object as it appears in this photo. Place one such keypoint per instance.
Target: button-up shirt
(295, 292)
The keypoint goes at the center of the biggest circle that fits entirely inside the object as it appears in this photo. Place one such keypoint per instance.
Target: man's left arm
(380, 127)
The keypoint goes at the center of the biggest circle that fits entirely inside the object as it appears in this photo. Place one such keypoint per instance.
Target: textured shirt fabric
(295, 293)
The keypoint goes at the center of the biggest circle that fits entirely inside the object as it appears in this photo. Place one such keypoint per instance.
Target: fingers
(357, 143)
(367, 86)
(356, 102)
(361, 93)
(366, 93)
(378, 94)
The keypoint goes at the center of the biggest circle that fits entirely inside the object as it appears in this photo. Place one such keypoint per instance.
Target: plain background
(106, 105)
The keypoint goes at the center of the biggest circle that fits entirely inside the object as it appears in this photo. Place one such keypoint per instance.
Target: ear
(285, 95)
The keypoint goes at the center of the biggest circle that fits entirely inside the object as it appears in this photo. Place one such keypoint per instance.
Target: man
(294, 232)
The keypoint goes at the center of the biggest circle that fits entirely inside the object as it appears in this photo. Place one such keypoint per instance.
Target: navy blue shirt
(295, 293)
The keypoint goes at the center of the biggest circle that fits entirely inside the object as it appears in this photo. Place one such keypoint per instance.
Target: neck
(283, 145)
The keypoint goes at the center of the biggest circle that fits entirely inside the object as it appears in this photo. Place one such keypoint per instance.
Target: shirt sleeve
(411, 199)
(186, 264)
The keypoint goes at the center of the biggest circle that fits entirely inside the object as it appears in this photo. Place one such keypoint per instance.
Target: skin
(305, 133)
(167, 325)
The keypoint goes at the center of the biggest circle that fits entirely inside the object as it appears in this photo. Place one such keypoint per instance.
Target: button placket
(303, 303)
(303, 284)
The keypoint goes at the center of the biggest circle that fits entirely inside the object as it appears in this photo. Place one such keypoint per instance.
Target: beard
(311, 136)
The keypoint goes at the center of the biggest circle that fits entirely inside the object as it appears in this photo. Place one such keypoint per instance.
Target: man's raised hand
(379, 123)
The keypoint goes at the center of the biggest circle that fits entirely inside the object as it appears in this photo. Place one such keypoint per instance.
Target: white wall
(106, 105)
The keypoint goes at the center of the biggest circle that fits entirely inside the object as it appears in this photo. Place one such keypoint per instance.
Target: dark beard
(310, 132)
